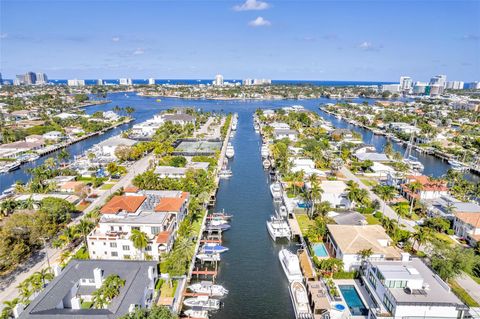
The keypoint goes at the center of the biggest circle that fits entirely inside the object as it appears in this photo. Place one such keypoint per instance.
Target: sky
(356, 40)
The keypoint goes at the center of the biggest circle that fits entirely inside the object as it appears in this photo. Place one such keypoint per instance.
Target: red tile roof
(131, 189)
(117, 204)
(162, 237)
(170, 204)
(469, 218)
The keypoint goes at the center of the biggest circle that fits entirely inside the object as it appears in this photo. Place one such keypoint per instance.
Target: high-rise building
(125, 81)
(30, 78)
(439, 80)
(261, 81)
(455, 85)
(247, 82)
(406, 83)
(41, 78)
(19, 79)
(1, 80)
(151, 81)
(472, 85)
(76, 82)
(218, 80)
(419, 88)
(99, 82)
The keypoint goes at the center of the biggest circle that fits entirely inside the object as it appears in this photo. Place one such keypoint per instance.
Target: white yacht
(196, 312)
(414, 163)
(207, 287)
(203, 302)
(234, 125)
(290, 265)
(225, 173)
(298, 294)
(457, 165)
(208, 257)
(266, 164)
(278, 228)
(230, 152)
(276, 190)
(264, 151)
(283, 211)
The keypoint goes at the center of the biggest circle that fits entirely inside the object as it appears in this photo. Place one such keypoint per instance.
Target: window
(112, 228)
(155, 230)
(104, 244)
(120, 228)
(126, 247)
(114, 254)
(148, 248)
(135, 227)
(113, 245)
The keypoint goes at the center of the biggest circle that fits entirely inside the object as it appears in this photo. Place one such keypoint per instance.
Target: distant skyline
(283, 40)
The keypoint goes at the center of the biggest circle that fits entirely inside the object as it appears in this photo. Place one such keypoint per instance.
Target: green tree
(139, 240)
(84, 227)
(155, 312)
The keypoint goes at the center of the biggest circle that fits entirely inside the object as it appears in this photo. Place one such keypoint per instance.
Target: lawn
(304, 222)
(106, 187)
(198, 223)
(82, 206)
(477, 279)
(166, 291)
(445, 238)
(85, 179)
(87, 304)
(463, 295)
(368, 182)
(372, 220)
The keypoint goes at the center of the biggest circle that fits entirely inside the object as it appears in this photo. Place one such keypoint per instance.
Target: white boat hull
(290, 265)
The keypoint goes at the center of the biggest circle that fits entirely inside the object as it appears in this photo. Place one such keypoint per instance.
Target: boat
(457, 165)
(208, 257)
(10, 167)
(225, 173)
(266, 164)
(278, 228)
(234, 125)
(203, 302)
(301, 306)
(212, 248)
(283, 211)
(264, 151)
(230, 152)
(158, 100)
(217, 222)
(220, 215)
(223, 227)
(290, 264)
(196, 312)
(414, 163)
(207, 287)
(276, 190)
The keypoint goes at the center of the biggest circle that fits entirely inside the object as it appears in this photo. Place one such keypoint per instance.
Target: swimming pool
(320, 250)
(352, 298)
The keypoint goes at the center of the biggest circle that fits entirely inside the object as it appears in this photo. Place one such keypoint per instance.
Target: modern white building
(440, 80)
(455, 85)
(406, 83)
(392, 88)
(76, 82)
(335, 193)
(151, 81)
(125, 81)
(155, 213)
(99, 82)
(346, 242)
(109, 146)
(218, 80)
(279, 134)
(247, 82)
(409, 289)
(419, 88)
(41, 79)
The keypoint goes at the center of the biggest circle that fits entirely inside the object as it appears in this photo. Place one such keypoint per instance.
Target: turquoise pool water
(320, 250)
(352, 298)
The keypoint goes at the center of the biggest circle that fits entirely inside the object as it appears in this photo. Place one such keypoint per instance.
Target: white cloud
(368, 46)
(116, 39)
(252, 5)
(3, 35)
(260, 22)
(138, 51)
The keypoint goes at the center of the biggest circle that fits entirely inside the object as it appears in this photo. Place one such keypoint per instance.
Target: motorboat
(290, 265)
(283, 211)
(223, 227)
(266, 164)
(208, 257)
(208, 288)
(217, 222)
(212, 248)
(234, 125)
(301, 306)
(203, 302)
(414, 163)
(220, 215)
(276, 190)
(10, 167)
(225, 173)
(278, 228)
(457, 165)
(230, 152)
(196, 312)
(265, 150)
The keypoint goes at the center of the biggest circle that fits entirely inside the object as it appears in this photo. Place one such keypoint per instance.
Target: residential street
(9, 283)
(470, 285)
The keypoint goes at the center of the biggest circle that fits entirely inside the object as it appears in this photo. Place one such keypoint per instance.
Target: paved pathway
(8, 283)
(470, 286)
(389, 212)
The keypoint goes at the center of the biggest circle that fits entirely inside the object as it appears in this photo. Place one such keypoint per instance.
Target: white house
(307, 166)
(345, 242)
(335, 193)
(430, 189)
(171, 171)
(280, 126)
(53, 135)
(409, 289)
(279, 134)
(467, 225)
(109, 146)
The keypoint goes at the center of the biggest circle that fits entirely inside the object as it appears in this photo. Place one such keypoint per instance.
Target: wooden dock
(205, 272)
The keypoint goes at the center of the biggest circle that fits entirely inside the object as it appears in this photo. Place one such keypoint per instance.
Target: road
(470, 286)
(388, 211)
(8, 283)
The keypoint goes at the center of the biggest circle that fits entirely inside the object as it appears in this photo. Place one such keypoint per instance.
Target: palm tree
(84, 227)
(420, 236)
(401, 209)
(25, 291)
(44, 275)
(68, 235)
(352, 192)
(63, 155)
(99, 300)
(386, 193)
(8, 306)
(414, 188)
(139, 240)
(7, 207)
(322, 209)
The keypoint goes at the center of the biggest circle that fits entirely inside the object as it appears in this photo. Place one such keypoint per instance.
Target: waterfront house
(156, 213)
(280, 126)
(407, 288)
(335, 193)
(307, 166)
(279, 134)
(467, 226)
(372, 156)
(179, 119)
(70, 293)
(405, 128)
(345, 242)
(170, 171)
(72, 187)
(430, 189)
(109, 146)
(53, 136)
(446, 206)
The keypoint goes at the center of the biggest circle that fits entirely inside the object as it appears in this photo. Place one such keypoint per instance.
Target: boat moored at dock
(278, 228)
(208, 288)
(290, 264)
(203, 302)
(301, 306)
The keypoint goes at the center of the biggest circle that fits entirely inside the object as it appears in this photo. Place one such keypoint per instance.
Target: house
(280, 126)
(109, 146)
(446, 206)
(171, 171)
(345, 242)
(35, 139)
(72, 187)
(53, 135)
(156, 213)
(407, 288)
(467, 225)
(372, 156)
(279, 134)
(179, 119)
(307, 166)
(335, 193)
(404, 128)
(429, 189)
(66, 296)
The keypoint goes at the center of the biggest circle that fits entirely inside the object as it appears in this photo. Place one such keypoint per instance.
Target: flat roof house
(109, 146)
(345, 242)
(156, 213)
(279, 134)
(62, 297)
(335, 193)
(409, 289)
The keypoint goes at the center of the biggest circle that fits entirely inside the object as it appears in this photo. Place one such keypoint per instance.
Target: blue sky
(312, 40)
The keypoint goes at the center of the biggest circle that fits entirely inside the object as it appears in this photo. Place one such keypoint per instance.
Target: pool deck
(367, 301)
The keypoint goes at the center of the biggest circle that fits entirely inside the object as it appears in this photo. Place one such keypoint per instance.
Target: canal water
(250, 270)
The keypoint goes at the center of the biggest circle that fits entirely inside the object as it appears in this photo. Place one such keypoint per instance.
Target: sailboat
(409, 159)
